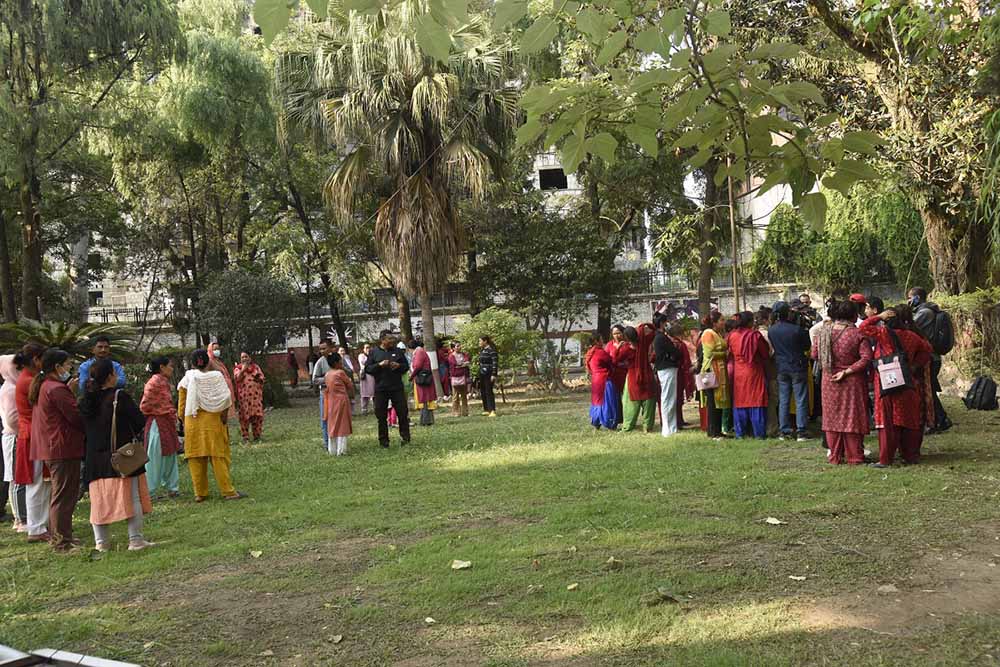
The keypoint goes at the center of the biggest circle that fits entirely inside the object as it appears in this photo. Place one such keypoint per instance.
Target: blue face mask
(914, 300)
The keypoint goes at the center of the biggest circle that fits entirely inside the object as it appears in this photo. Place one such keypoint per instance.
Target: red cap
(859, 298)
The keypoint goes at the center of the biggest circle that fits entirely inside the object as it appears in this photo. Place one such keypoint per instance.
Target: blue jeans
(322, 422)
(786, 383)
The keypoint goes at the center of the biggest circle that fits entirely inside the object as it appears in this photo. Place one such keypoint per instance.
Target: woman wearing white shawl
(204, 399)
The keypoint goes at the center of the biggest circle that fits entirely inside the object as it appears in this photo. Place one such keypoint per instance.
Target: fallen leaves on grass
(613, 564)
(775, 522)
(796, 578)
(461, 564)
(888, 588)
(659, 596)
(256, 554)
(429, 621)
(573, 587)
(336, 639)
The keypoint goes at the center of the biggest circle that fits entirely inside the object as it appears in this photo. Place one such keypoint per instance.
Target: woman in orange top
(339, 397)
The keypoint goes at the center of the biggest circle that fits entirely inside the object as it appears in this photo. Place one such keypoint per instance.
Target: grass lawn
(343, 561)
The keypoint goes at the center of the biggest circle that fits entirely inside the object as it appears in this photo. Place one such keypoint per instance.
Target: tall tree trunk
(958, 250)
(708, 253)
(472, 278)
(335, 316)
(405, 318)
(309, 322)
(6, 275)
(605, 300)
(430, 336)
(31, 262)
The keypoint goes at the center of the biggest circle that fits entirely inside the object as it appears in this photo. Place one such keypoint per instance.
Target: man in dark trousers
(925, 317)
(387, 364)
(791, 345)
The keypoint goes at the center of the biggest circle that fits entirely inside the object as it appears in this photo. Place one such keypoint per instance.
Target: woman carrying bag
(113, 422)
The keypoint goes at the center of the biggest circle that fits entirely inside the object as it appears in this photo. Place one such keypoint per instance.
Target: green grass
(360, 548)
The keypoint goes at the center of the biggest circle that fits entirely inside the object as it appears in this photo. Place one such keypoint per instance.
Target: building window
(552, 179)
(95, 298)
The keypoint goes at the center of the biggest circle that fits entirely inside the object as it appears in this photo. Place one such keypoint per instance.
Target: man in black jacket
(387, 364)
(925, 317)
(665, 362)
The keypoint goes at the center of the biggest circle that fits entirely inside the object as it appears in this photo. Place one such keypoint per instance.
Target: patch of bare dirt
(964, 580)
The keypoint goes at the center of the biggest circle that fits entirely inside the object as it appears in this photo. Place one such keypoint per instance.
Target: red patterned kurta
(845, 403)
(642, 382)
(621, 358)
(750, 381)
(249, 381)
(909, 406)
(159, 407)
(422, 362)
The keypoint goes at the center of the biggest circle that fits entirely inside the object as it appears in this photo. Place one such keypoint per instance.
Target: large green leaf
(672, 24)
(528, 133)
(718, 57)
(863, 142)
(509, 11)
(655, 78)
(612, 47)
(594, 24)
(573, 152)
(319, 7)
(717, 23)
(272, 17)
(861, 171)
(832, 150)
(813, 207)
(602, 145)
(433, 39)
(645, 137)
(653, 40)
(539, 35)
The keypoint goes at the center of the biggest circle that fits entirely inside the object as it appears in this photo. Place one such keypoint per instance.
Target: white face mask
(216, 353)
(64, 376)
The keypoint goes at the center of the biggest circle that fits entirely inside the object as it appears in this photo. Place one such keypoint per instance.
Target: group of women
(848, 350)
(624, 386)
(52, 439)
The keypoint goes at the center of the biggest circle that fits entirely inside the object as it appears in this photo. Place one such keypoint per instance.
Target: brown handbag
(127, 458)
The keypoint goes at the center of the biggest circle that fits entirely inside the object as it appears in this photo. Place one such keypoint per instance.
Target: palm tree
(420, 131)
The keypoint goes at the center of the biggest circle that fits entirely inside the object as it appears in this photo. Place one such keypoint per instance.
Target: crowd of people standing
(770, 373)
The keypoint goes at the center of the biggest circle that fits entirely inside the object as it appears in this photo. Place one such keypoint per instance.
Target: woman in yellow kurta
(204, 400)
(714, 351)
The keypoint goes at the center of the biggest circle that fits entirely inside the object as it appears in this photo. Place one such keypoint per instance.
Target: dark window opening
(552, 179)
(94, 263)
(95, 298)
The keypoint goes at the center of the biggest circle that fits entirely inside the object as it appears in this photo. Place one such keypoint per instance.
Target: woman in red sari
(900, 416)
(845, 355)
(749, 352)
(621, 353)
(603, 400)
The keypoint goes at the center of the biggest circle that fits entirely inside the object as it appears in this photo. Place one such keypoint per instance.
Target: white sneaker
(139, 546)
(103, 547)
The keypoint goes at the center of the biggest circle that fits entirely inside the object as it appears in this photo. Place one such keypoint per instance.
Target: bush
(515, 345)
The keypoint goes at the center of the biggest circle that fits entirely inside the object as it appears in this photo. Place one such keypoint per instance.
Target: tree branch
(835, 22)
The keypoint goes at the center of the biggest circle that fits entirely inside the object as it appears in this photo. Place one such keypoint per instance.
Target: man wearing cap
(791, 346)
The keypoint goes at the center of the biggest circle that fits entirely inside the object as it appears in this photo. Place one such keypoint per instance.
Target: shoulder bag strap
(114, 422)
(899, 346)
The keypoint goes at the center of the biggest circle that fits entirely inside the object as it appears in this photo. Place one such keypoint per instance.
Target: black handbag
(423, 378)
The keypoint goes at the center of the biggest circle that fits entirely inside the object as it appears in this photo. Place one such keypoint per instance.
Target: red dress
(909, 407)
(621, 359)
(641, 379)
(600, 367)
(24, 471)
(749, 367)
(442, 355)
(845, 403)
(422, 361)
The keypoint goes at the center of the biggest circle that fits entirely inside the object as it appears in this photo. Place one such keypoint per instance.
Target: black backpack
(982, 394)
(942, 337)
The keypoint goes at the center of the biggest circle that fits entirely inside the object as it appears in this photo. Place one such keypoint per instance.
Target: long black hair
(157, 363)
(199, 359)
(27, 355)
(53, 357)
(100, 371)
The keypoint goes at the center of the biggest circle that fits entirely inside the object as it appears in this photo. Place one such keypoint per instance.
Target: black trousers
(486, 392)
(940, 416)
(382, 400)
(714, 415)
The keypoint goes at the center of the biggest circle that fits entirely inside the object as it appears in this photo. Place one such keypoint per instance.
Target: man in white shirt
(318, 379)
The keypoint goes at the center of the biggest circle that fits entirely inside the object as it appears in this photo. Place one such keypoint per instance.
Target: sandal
(239, 496)
(200, 499)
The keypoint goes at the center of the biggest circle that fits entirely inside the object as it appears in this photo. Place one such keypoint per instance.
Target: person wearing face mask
(57, 439)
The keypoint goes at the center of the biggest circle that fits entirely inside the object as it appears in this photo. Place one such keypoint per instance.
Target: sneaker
(103, 547)
(493, 414)
(877, 465)
(139, 545)
(784, 436)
